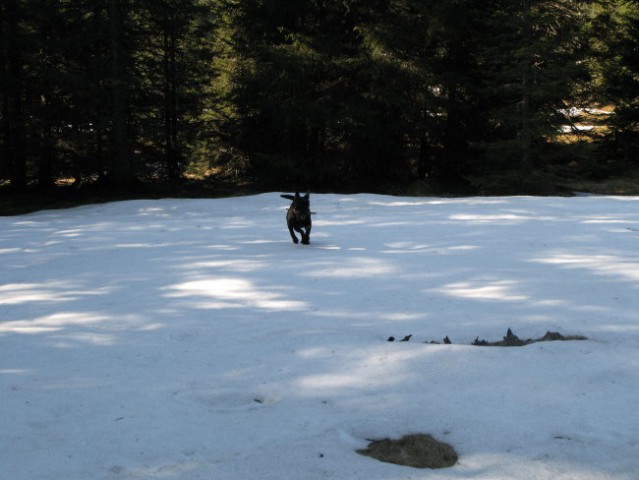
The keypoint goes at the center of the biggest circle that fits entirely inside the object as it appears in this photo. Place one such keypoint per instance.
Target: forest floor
(627, 185)
(35, 199)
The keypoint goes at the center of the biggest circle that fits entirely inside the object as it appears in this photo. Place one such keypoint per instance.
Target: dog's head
(302, 205)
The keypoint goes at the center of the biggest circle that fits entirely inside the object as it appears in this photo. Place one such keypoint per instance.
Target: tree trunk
(13, 126)
(172, 155)
(121, 156)
(526, 134)
(46, 154)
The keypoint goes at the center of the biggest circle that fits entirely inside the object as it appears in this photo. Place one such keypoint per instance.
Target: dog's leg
(299, 230)
(306, 236)
(290, 229)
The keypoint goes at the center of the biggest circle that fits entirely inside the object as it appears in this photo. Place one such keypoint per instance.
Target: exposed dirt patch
(418, 451)
(509, 340)
(512, 340)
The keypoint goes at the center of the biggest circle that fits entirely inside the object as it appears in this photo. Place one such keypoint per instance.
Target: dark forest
(390, 96)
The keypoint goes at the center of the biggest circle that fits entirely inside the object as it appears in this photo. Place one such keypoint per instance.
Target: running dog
(298, 217)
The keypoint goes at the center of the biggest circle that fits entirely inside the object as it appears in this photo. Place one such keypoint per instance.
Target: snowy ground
(190, 339)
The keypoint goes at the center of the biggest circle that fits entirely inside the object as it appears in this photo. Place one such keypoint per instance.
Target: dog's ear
(308, 195)
(297, 194)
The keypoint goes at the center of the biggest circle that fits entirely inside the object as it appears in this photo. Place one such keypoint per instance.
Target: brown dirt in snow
(418, 451)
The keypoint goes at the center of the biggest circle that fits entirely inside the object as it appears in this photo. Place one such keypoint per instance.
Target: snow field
(190, 339)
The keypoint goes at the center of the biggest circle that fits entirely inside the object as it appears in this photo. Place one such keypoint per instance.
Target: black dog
(298, 217)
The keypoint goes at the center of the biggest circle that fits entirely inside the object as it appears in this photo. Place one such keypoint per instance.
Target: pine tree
(174, 66)
(13, 154)
(308, 93)
(122, 169)
(619, 42)
(532, 57)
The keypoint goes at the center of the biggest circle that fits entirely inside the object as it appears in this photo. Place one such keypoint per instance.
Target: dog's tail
(288, 197)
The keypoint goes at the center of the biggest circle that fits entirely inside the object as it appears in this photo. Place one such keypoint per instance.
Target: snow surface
(190, 339)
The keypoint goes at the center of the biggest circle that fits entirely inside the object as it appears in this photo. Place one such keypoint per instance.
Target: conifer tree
(532, 59)
(122, 168)
(13, 159)
(621, 77)
(174, 66)
(309, 92)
